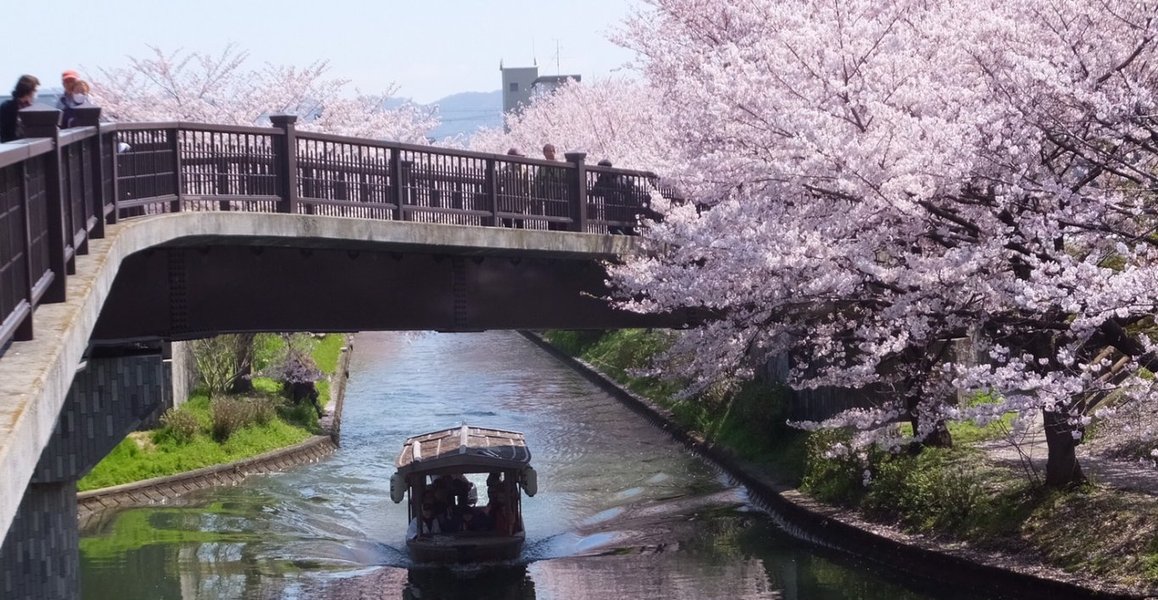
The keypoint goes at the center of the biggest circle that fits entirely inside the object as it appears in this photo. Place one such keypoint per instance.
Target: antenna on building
(534, 59)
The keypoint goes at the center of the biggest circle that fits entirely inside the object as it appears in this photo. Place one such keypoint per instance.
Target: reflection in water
(502, 583)
(623, 511)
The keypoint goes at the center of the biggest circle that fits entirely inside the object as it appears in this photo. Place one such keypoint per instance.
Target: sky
(428, 48)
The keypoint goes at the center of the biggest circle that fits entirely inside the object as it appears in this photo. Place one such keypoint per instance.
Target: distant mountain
(466, 112)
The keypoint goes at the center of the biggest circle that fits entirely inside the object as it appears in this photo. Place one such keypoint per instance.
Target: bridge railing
(58, 189)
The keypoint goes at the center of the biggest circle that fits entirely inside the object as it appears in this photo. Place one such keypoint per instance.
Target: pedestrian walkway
(1028, 451)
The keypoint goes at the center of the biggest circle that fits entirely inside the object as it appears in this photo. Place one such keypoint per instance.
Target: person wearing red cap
(75, 94)
(67, 78)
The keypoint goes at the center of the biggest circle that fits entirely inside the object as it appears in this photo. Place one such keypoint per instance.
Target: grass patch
(196, 435)
(1109, 534)
(170, 455)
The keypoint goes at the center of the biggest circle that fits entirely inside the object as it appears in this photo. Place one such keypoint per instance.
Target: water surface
(622, 511)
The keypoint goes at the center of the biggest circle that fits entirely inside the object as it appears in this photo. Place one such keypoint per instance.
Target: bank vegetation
(256, 393)
(956, 494)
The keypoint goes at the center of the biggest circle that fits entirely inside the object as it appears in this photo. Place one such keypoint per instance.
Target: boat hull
(465, 548)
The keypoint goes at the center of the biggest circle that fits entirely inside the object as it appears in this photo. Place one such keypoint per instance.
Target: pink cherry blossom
(873, 180)
(224, 89)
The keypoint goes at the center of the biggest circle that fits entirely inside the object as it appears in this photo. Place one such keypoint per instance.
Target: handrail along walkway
(59, 188)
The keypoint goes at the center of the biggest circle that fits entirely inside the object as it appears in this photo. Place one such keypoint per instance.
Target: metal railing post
(97, 175)
(400, 179)
(114, 168)
(286, 161)
(24, 331)
(174, 136)
(41, 121)
(578, 193)
(492, 192)
(90, 116)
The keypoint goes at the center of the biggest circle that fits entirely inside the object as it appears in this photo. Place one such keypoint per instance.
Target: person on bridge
(23, 95)
(75, 95)
(514, 189)
(551, 189)
(609, 199)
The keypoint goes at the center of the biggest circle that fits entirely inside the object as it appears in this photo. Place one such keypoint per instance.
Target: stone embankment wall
(919, 557)
(92, 504)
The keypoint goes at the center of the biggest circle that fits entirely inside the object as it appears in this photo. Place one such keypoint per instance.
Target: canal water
(622, 511)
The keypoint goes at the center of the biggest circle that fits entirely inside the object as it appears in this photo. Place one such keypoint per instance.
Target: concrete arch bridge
(149, 232)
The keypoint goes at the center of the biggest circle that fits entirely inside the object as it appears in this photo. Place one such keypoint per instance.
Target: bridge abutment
(108, 398)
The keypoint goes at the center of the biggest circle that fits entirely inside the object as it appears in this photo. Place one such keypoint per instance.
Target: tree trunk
(1061, 467)
(939, 437)
(243, 353)
(243, 384)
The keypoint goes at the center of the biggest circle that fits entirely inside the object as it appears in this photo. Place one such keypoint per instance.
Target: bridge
(122, 232)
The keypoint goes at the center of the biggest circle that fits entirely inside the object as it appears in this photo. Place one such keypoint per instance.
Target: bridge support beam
(39, 557)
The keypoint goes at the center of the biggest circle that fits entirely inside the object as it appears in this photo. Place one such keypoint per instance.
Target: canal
(622, 511)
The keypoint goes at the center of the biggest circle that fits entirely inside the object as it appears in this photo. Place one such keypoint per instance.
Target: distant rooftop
(556, 80)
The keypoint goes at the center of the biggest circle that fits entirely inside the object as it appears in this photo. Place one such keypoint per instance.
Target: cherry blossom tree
(881, 178)
(613, 119)
(221, 88)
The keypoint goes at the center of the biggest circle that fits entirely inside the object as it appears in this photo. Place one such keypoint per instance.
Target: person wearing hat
(75, 94)
(66, 82)
(22, 96)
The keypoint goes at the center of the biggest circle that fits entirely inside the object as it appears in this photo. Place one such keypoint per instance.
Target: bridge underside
(200, 287)
(187, 275)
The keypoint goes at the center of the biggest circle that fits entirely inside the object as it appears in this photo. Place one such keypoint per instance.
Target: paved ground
(1104, 460)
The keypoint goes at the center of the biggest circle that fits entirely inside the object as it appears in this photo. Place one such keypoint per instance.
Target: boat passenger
(424, 524)
(441, 493)
(464, 491)
(474, 519)
(499, 514)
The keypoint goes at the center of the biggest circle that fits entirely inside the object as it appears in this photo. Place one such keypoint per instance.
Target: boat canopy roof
(464, 448)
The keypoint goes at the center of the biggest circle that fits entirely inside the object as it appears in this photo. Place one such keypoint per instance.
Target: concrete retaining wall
(184, 371)
(91, 504)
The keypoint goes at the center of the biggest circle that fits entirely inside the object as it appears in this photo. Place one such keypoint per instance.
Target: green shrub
(301, 415)
(230, 414)
(573, 342)
(627, 349)
(262, 409)
(929, 491)
(180, 425)
(836, 478)
(1150, 562)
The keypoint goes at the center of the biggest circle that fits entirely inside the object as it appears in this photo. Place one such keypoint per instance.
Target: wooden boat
(443, 471)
